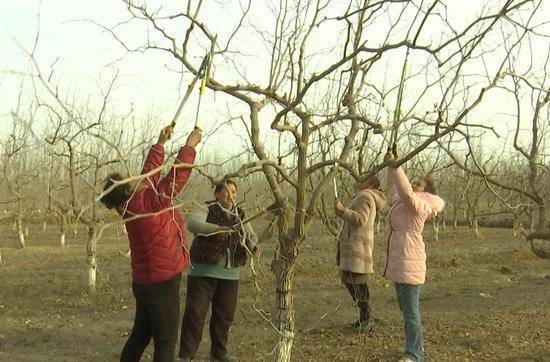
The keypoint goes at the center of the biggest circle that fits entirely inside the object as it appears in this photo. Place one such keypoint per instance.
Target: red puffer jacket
(158, 242)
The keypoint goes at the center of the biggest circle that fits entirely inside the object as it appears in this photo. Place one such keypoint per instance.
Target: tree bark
(92, 258)
(62, 230)
(531, 221)
(284, 267)
(20, 231)
(436, 228)
(542, 217)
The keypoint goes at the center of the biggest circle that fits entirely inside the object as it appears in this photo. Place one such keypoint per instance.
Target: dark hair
(118, 194)
(220, 185)
(371, 178)
(430, 186)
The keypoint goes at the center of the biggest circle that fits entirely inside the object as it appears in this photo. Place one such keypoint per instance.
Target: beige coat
(356, 240)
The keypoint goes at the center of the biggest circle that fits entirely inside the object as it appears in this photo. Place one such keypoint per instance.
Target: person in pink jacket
(356, 243)
(413, 204)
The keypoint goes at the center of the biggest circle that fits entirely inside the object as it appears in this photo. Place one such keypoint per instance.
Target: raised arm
(358, 215)
(155, 157)
(154, 161)
(404, 189)
(171, 184)
(160, 195)
(399, 187)
(393, 196)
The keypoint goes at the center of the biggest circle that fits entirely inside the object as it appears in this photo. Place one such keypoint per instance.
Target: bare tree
(319, 82)
(534, 147)
(525, 172)
(17, 171)
(82, 156)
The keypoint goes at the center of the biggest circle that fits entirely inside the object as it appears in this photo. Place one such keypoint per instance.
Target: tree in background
(315, 74)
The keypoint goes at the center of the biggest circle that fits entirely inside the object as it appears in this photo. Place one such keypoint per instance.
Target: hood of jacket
(436, 203)
(379, 198)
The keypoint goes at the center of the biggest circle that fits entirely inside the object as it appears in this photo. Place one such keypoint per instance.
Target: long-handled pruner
(392, 146)
(202, 73)
(334, 181)
(205, 66)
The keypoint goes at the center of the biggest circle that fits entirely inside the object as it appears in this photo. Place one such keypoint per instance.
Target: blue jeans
(408, 298)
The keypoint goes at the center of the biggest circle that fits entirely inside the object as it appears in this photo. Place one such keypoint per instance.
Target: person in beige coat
(356, 243)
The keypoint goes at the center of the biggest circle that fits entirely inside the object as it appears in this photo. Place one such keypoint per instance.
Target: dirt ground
(484, 300)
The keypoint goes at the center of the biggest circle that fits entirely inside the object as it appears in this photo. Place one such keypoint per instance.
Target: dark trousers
(201, 293)
(360, 295)
(157, 316)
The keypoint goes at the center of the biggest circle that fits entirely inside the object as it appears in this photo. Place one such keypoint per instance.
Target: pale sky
(83, 52)
(83, 49)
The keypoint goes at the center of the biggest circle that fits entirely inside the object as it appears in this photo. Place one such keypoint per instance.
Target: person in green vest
(220, 247)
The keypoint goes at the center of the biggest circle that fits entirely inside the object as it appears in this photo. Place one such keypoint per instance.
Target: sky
(85, 58)
(82, 55)
(82, 50)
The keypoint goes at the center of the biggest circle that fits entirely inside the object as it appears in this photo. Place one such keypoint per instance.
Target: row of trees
(320, 83)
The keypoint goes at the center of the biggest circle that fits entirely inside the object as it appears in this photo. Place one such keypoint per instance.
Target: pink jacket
(406, 252)
(356, 240)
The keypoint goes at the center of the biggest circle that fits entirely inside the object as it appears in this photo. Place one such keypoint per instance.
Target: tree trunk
(74, 225)
(531, 221)
(542, 218)
(92, 258)
(284, 302)
(455, 216)
(476, 227)
(20, 231)
(62, 230)
(436, 229)
(284, 266)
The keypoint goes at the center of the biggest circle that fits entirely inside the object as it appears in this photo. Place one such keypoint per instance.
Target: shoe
(185, 359)
(353, 325)
(362, 326)
(367, 326)
(225, 358)
(406, 359)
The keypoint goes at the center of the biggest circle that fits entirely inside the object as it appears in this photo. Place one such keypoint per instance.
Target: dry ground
(485, 300)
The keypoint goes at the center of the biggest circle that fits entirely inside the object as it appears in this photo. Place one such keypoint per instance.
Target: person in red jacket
(158, 244)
